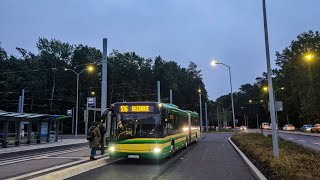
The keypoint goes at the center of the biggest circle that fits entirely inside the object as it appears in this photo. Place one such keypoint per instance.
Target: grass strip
(295, 161)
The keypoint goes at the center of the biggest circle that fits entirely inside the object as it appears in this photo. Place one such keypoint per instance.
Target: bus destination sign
(136, 109)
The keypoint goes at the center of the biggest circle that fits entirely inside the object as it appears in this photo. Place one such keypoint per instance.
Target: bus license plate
(133, 156)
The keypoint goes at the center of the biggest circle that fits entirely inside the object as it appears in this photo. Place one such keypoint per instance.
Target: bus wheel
(196, 140)
(172, 150)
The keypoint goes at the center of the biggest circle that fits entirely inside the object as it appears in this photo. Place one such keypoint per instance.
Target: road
(304, 139)
(22, 163)
(212, 157)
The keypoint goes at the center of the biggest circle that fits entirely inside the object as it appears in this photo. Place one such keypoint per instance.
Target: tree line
(297, 73)
(50, 89)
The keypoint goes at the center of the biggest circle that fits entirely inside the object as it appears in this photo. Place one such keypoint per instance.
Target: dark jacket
(97, 137)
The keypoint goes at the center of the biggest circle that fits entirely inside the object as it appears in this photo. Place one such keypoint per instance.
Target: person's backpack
(102, 130)
(90, 134)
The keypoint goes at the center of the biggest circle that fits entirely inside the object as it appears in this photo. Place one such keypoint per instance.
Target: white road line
(37, 154)
(12, 161)
(317, 143)
(40, 155)
(290, 138)
(302, 141)
(46, 170)
(59, 167)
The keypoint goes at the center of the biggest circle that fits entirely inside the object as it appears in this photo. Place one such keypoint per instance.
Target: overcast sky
(230, 31)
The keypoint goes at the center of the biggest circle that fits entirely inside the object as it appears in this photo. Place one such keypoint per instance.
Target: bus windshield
(139, 125)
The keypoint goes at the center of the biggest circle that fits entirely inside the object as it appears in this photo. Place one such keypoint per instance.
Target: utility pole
(206, 110)
(21, 102)
(171, 96)
(158, 85)
(218, 117)
(53, 87)
(104, 85)
(270, 86)
(201, 126)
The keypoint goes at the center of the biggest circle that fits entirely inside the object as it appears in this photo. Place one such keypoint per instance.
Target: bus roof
(175, 110)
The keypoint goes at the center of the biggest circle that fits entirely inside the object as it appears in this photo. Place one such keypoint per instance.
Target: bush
(294, 162)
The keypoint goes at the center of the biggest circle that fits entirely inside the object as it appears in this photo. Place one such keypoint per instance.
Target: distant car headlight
(156, 150)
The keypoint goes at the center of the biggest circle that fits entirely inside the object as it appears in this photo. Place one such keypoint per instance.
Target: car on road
(306, 128)
(243, 128)
(289, 127)
(315, 128)
(265, 125)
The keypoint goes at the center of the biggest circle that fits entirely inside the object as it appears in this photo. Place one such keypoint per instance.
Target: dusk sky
(230, 31)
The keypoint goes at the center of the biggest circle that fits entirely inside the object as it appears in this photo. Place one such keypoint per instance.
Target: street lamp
(93, 93)
(214, 63)
(89, 69)
(310, 57)
(201, 128)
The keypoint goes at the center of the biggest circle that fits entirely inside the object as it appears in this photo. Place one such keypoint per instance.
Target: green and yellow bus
(140, 130)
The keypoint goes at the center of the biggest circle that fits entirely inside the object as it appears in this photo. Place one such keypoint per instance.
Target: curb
(75, 170)
(253, 168)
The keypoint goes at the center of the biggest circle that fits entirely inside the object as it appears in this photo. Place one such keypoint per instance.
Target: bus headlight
(112, 149)
(185, 129)
(156, 150)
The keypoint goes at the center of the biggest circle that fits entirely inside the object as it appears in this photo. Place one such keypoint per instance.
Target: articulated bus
(149, 130)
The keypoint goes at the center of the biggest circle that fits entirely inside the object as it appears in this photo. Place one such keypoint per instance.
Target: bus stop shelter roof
(29, 116)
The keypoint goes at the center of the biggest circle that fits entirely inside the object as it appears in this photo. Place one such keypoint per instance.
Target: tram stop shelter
(27, 128)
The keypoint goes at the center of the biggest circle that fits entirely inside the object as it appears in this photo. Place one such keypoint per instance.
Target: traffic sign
(69, 112)
(91, 101)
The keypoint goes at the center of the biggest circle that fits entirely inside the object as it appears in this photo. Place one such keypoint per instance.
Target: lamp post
(275, 143)
(201, 127)
(89, 69)
(214, 63)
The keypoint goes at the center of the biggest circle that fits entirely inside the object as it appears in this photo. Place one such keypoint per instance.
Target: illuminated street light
(265, 89)
(214, 63)
(93, 93)
(309, 57)
(89, 69)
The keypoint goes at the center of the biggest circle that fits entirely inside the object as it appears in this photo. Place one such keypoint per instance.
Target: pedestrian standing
(103, 131)
(94, 137)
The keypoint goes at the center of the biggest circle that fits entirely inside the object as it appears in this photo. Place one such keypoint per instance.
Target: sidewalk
(64, 142)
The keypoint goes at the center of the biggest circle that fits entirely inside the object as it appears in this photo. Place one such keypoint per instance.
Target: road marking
(290, 138)
(37, 157)
(302, 141)
(46, 170)
(75, 170)
(317, 143)
(39, 154)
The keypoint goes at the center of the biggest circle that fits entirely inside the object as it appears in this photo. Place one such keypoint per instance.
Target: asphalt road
(304, 139)
(22, 163)
(212, 157)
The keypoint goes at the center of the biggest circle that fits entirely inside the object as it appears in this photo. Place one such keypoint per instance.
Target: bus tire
(196, 139)
(172, 149)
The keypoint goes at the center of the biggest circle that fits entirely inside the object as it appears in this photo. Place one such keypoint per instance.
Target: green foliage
(301, 79)
(294, 162)
(51, 89)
